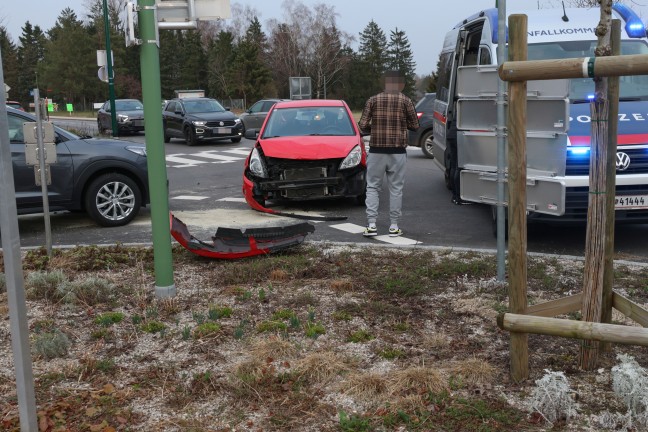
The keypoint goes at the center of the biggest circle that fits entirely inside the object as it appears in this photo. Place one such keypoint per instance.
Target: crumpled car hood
(309, 147)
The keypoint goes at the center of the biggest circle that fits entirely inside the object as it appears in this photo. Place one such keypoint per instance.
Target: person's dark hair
(393, 74)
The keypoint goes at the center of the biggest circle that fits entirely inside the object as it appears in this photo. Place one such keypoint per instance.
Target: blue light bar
(578, 150)
(634, 27)
(591, 97)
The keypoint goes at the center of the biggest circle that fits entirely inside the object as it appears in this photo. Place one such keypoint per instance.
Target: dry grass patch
(474, 372)
(278, 275)
(436, 341)
(321, 367)
(370, 387)
(272, 347)
(417, 380)
(341, 285)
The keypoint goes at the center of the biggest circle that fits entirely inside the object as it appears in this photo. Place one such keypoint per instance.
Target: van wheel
(426, 144)
(447, 174)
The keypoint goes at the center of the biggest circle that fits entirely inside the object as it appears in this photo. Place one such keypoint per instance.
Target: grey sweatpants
(379, 164)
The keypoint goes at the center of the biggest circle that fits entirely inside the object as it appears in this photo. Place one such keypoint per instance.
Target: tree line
(233, 59)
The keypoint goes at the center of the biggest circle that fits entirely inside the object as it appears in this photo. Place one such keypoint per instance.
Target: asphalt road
(205, 192)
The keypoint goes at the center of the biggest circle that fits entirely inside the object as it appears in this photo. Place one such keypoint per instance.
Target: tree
(69, 66)
(220, 56)
(30, 53)
(373, 52)
(9, 60)
(401, 58)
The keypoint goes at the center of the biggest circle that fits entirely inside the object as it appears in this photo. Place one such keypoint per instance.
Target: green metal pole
(109, 68)
(152, 95)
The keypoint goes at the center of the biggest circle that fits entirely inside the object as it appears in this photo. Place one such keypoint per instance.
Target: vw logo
(223, 124)
(622, 161)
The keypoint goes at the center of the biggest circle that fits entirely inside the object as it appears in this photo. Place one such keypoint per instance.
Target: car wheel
(167, 138)
(426, 144)
(236, 140)
(113, 199)
(190, 136)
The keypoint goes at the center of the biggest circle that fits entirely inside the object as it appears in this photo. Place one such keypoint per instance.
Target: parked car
(15, 105)
(306, 149)
(130, 116)
(254, 117)
(196, 119)
(422, 137)
(106, 178)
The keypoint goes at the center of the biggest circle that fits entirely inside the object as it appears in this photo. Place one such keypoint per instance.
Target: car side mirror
(251, 134)
(228, 109)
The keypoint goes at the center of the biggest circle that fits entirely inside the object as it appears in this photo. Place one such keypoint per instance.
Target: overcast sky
(425, 22)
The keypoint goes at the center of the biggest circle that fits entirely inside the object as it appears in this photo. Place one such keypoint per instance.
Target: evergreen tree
(9, 61)
(170, 46)
(193, 60)
(70, 65)
(373, 53)
(251, 77)
(30, 53)
(401, 58)
(221, 54)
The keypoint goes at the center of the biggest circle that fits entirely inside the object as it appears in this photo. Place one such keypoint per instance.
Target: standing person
(388, 115)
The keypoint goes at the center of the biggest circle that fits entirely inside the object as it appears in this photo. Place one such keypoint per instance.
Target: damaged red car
(306, 149)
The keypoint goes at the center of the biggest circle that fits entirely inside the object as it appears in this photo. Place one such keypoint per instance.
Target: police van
(558, 129)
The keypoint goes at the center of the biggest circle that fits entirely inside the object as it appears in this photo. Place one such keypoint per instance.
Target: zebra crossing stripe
(357, 229)
(239, 151)
(219, 157)
(184, 162)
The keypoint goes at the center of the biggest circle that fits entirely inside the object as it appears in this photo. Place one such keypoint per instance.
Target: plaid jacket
(388, 116)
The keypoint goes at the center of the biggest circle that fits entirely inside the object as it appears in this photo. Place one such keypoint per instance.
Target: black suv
(424, 110)
(195, 119)
(104, 177)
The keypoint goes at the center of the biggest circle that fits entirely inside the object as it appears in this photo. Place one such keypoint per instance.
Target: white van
(466, 151)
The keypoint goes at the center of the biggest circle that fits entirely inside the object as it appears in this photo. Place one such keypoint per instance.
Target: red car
(306, 149)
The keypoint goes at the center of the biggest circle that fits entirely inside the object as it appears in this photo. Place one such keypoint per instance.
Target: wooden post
(573, 329)
(596, 211)
(517, 223)
(613, 123)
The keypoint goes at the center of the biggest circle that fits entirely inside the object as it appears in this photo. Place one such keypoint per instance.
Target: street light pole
(109, 68)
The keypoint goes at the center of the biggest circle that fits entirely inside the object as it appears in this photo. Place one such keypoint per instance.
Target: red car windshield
(305, 121)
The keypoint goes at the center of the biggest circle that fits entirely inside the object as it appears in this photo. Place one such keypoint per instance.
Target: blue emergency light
(634, 27)
(578, 150)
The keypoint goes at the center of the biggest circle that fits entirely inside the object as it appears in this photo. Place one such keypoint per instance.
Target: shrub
(44, 285)
(109, 318)
(205, 329)
(551, 398)
(52, 345)
(153, 327)
(91, 291)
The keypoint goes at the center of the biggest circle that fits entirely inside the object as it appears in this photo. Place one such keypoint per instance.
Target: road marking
(357, 229)
(184, 162)
(232, 199)
(239, 151)
(210, 154)
(190, 197)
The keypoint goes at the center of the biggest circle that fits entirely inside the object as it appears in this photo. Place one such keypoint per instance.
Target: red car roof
(310, 103)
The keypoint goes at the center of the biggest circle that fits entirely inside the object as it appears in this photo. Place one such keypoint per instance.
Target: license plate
(629, 202)
(223, 130)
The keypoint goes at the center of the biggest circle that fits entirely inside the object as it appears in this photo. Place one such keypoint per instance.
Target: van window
(445, 72)
(634, 87)
(484, 56)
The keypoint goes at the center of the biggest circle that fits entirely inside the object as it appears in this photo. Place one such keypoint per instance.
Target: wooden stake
(517, 228)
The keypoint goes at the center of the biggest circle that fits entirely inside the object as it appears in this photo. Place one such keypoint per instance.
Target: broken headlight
(257, 166)
(353, 158)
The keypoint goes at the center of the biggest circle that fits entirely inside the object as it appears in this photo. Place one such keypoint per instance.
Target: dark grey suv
(254, 117)
(423, 135)
(196, 119)
(104, 177)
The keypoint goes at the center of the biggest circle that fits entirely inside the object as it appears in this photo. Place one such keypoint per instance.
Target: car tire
(426, 144)
(113, 199)
(190, 136)
(167, 138)
(236, 140)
